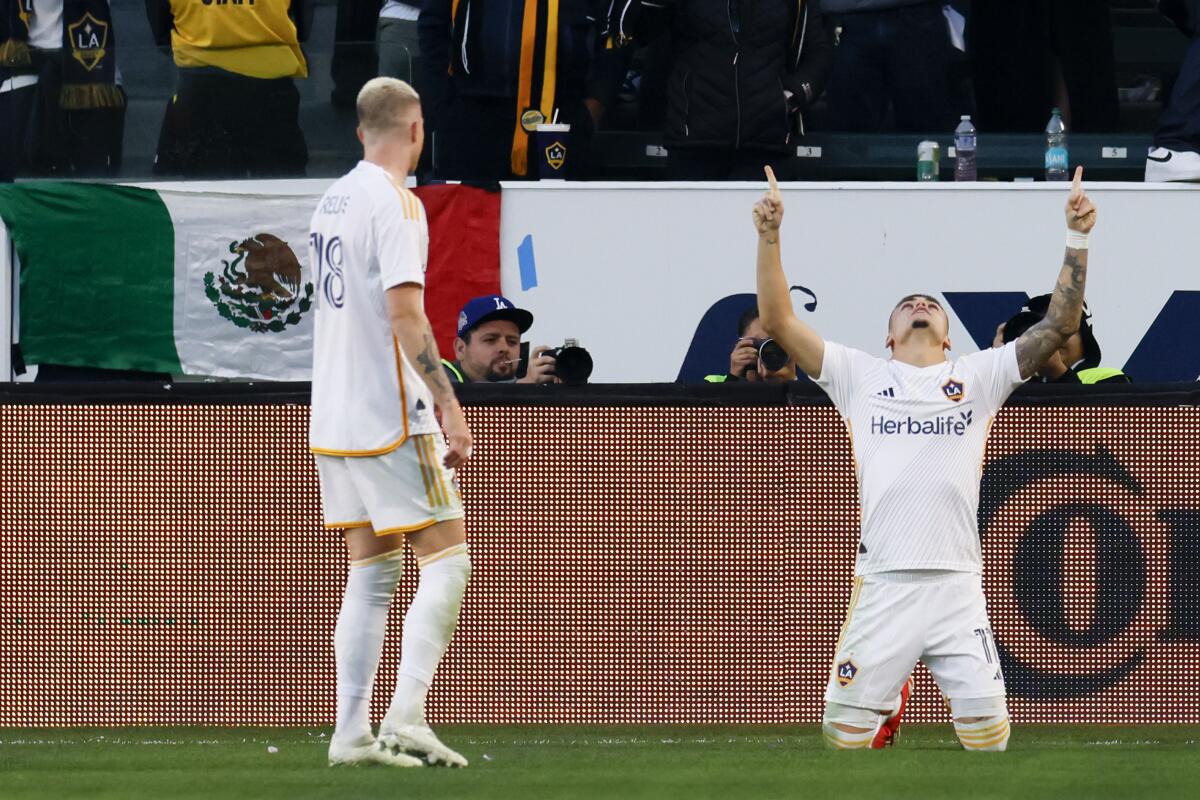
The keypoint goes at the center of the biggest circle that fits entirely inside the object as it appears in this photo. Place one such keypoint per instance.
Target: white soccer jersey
(368, 235)
(918, 436)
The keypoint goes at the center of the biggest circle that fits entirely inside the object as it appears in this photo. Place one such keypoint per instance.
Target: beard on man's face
(501, 370)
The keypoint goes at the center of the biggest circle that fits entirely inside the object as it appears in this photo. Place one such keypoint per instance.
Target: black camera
(773, 357)
(572, 364)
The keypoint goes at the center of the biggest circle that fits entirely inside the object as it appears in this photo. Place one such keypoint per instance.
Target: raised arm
(410, 326)
(801, 342)
(1042, 340)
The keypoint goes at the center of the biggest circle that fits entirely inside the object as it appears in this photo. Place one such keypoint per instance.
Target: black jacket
(733, 62)
(472, 48)
(1184, 13)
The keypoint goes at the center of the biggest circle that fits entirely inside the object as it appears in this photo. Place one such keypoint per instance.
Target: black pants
(1014, 47)
(354, 58)
(718, 164)
(39, 138)
(897, 59)
(474, 139)
(16, 108)
(222, 125)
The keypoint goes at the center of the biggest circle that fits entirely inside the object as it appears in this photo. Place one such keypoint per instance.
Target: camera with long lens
(572, 364)
(773, 357)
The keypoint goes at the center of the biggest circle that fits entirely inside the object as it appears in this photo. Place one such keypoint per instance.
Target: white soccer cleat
(419, 741)
(367, 753)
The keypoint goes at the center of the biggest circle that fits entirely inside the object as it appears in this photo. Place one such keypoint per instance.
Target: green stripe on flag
(97, 275)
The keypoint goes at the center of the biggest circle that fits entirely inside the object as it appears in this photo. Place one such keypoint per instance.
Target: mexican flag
(197, 282)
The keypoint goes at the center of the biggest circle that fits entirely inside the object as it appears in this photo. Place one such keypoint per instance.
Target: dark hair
(748, 316)
(905, 299)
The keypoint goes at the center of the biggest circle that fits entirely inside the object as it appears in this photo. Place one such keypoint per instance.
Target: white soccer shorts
(896, 619)
(403, 491)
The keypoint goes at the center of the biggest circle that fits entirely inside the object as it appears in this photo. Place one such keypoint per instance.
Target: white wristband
(1077, 240)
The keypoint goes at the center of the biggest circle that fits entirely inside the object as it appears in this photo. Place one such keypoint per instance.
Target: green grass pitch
(527, 762)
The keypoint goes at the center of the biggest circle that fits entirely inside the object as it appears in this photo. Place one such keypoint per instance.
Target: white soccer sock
(428, 627)
(990, 733)
(839, 739)
(358, 640)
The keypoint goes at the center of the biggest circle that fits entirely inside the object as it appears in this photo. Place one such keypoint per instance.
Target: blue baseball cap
(479, 310)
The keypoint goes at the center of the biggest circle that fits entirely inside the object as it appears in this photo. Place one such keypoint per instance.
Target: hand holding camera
(743, 358)
(569, 364)
(541, 366)
(760, 356)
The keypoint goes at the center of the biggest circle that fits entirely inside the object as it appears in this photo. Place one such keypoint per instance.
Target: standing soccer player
(386, 472)
(918, 425)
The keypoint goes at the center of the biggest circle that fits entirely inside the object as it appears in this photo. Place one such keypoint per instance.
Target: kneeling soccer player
(919, 423)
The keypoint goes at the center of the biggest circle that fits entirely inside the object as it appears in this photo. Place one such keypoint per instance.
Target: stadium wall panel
(657, 558)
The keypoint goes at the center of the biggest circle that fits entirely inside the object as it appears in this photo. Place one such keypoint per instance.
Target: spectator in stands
(745, 361)
(1077, 361)
(891, 54)
(488, 345)
(235, 112)
(62, 109)
(1176, 153)
(355, 60)
(744, 74)
(397, 42)
(491, 81)
(400, 56)
(1029, 56)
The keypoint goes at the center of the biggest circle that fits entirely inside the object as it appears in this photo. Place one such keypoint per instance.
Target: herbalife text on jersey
(950, 424)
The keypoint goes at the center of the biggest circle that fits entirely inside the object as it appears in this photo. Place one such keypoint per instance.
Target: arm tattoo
(434, 376)
(427, 358)
(1062, 317)
(1036, 345)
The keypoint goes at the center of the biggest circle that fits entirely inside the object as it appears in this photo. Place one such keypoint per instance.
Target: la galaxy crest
(89, 40)
(953, 390)
(556, 155)
(846, 672)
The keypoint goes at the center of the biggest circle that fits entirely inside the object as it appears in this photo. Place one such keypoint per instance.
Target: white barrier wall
(630, 269)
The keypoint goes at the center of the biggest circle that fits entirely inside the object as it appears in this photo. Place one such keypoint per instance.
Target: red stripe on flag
(464, 254)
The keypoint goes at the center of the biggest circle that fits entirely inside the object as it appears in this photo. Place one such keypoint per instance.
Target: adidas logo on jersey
(888, 392)
(948, 425)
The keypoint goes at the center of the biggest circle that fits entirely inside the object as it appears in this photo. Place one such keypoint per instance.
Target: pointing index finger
(1077, 183)
(771, 178)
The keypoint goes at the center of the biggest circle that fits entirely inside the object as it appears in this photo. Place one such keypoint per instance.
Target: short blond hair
(383, 103)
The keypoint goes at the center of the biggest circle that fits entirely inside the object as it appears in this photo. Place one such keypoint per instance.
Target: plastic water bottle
(964, 150)
(1057, 162)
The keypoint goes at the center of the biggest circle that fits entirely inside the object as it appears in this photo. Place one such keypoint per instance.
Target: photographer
(756, 357)
(488, 345)
(1077, 361)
